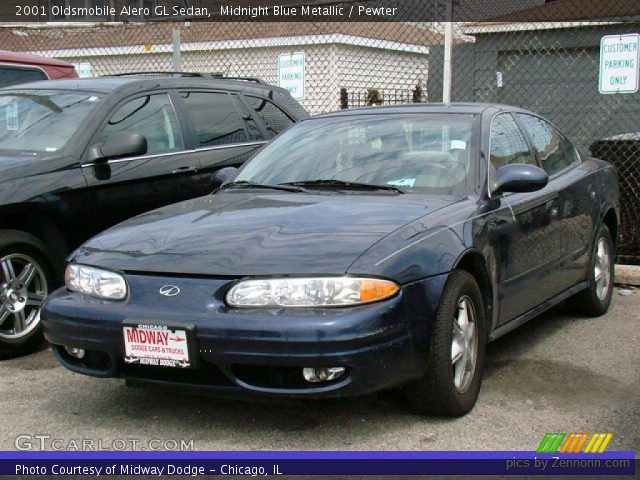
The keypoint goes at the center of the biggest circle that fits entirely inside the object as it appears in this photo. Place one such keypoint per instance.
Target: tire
(594, 302)
(437, 393)
(19, 249)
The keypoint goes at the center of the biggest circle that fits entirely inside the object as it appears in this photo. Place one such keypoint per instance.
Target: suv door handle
(184, 170)
(552, 208)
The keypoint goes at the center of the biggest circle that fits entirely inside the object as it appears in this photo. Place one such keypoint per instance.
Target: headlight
(310, 292)
(95, 282)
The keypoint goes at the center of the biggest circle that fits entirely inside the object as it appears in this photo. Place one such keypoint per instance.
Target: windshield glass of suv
(422, 153)
(42, 120)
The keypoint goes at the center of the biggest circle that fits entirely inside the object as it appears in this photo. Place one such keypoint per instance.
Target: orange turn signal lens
(372, 290)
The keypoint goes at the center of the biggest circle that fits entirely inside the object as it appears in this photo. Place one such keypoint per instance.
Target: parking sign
(619, 59)
(291, 73)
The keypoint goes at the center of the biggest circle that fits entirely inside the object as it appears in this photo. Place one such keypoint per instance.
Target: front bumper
(381, 345)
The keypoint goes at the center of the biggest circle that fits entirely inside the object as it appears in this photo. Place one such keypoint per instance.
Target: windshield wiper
(247, 184)
(333, 183)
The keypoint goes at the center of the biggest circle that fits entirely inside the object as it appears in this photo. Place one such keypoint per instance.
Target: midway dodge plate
(156, 345)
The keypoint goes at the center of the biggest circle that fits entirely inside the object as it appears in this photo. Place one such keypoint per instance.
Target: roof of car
(455, 107)
(23, 58)
(109, 84)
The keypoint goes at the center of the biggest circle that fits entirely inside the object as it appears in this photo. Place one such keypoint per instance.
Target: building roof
(122, 35)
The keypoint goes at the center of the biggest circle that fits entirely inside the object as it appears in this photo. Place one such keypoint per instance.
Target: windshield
(422, 153)
(42, 120)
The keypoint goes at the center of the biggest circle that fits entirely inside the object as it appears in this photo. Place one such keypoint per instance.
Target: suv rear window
(273, 117)
(14, 75)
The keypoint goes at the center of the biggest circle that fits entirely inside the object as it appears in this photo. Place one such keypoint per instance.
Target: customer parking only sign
(291, 73)
(619, 60)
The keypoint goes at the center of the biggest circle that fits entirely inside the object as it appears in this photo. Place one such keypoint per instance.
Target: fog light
(78, 353)
(316, 375)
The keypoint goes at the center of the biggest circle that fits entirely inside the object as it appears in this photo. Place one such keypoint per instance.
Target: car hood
(18, 165)
(239, 233)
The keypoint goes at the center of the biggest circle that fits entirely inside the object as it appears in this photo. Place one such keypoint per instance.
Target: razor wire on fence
(545, 57)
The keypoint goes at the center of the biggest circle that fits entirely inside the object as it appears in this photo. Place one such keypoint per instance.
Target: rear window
(274, 119)
(14, 75)
(214, 118)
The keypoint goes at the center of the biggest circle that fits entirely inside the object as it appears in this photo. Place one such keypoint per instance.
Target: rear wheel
(25, 281)
(453, 376)
(596, 299)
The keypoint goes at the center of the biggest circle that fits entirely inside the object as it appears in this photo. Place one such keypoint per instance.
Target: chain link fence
(544, 57)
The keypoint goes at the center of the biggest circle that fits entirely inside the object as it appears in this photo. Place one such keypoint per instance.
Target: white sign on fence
(619, 60)
(83, 69)
(291, 73)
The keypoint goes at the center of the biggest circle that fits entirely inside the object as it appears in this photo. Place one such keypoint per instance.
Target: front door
(167, 173)
(527, 247)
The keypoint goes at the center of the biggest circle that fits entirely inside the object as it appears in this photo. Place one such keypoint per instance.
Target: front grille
(205, 374)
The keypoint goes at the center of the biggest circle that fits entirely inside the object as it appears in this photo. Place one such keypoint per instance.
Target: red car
(20, 68)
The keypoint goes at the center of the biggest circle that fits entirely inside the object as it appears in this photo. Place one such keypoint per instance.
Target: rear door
(223, 131)
(574, 211)
(167, 173)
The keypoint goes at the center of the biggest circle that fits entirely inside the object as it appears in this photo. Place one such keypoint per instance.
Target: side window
(14, 75)
(508, 144)
(214, 118)
(274, 119)
(151, 116)
(252, 127)
(555, 151)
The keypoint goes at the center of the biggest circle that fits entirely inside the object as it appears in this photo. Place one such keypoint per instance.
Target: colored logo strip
(574, 442)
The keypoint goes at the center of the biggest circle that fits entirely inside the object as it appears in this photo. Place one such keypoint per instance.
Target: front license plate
(157, 345)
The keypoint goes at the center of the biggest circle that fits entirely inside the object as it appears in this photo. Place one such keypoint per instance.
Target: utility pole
(448, 43)
(176, 60)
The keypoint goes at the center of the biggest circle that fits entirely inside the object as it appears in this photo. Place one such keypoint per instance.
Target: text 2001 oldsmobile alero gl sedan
(358, 251)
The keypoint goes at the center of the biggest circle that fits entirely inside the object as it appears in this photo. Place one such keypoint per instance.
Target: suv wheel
(25, 281)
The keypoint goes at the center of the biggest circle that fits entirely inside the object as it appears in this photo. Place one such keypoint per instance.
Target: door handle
(184, 170)
(552, 208)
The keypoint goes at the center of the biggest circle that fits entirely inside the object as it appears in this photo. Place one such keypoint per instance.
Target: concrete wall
(328, 67)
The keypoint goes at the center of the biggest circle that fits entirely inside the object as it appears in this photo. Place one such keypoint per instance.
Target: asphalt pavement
(558, 373)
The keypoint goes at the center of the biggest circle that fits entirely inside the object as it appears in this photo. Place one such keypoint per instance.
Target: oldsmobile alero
(358, 251)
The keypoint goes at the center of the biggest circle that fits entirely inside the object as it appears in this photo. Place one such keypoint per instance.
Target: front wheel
(451, 384)
(24, 284)
(596, 299)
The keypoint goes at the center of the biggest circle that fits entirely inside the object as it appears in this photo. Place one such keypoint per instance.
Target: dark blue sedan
(358, 251)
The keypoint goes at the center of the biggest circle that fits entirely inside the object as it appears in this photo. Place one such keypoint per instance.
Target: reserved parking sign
(619, 59)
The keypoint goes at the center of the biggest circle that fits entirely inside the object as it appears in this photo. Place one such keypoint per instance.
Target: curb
(628, 275)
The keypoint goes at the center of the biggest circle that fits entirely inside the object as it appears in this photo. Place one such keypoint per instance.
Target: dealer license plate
(157, 345)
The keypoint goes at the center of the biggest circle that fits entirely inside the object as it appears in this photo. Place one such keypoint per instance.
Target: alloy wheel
(464, 344)
(602, 269)
(23, 288)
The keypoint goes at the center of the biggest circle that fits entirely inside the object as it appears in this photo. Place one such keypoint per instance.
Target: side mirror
(519, 177)
(123, 144)
(222, 176)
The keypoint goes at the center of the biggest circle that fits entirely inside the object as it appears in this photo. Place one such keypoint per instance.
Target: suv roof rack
(186, 74)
